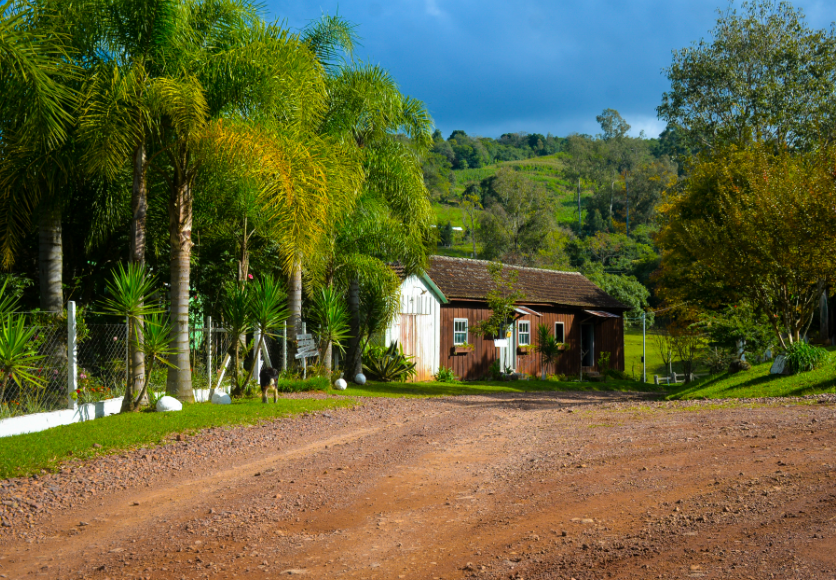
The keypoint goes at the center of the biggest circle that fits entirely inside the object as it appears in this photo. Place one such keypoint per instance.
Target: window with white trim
(523, 333)
(559, 332)
(459, 331)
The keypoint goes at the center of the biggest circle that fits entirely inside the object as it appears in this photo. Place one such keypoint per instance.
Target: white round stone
(340, 385)
(169, 404)
(360, 379)
(221, 398)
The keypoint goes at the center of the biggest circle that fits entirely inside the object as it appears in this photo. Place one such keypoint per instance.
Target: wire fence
(101, 370)
(47, 348)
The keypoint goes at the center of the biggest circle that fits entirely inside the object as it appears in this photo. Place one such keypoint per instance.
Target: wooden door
(413, 345)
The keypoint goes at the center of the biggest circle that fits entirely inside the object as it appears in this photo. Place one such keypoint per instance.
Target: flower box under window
(462, 349)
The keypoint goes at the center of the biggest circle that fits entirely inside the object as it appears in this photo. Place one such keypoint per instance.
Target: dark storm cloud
(491, 67)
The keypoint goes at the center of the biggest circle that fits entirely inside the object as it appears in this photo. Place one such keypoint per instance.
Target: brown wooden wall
(609, 336)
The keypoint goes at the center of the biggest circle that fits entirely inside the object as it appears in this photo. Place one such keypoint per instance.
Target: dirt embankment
(510, 486)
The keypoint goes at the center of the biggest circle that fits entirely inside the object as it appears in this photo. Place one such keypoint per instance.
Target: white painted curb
(42, 421)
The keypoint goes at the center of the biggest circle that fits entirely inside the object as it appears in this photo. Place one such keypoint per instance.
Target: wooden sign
(307, 354)
(305, 343)
(304, 337)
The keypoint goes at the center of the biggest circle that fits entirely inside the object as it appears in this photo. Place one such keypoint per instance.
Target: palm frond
(330, 37)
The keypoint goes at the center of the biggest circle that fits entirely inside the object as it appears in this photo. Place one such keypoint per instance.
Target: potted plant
(525, 348)
(463, 348)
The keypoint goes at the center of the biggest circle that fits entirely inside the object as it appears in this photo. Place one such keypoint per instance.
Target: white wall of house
(418, 327)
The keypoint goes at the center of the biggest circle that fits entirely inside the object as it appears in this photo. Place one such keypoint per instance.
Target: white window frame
(465, 332)
(527, 333)
(563, 326)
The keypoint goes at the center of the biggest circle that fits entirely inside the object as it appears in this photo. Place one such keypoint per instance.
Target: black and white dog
(267, 379)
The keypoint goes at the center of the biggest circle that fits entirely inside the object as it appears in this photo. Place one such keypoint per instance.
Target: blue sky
(499, 66)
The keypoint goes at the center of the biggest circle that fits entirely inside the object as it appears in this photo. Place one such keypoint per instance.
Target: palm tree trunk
(139, 210)
(179, 383)
(354, 357)
(50, 260)
(294, 302)
(327, 358)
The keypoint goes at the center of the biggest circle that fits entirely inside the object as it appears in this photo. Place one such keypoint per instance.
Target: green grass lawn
(437, 389)
(24, 455)
(633, 355)
(757, 382)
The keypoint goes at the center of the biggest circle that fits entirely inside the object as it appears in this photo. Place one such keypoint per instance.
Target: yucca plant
(331, 324)
(267, 311)
(155, 347)
(8, 302)
(132, 295)
(236, 313)
(548, 347)
(392, 365)
(18, 355)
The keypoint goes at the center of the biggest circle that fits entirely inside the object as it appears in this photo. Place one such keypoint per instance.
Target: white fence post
(257, 359)
(304, 360)
(284, 348)
(207, 336)
(72, 356)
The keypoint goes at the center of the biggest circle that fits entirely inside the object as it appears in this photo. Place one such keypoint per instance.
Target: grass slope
(633, 355)
(24, 455)
(757, 382)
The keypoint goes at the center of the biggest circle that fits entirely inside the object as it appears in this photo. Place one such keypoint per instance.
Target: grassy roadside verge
(23, 455)
(438, 389)
(757, 382)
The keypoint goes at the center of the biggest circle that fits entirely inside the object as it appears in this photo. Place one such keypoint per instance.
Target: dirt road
(528, 486)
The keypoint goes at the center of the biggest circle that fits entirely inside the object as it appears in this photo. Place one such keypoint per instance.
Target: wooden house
(439, 309)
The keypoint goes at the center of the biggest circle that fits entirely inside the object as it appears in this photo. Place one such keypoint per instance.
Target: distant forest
(516, 199)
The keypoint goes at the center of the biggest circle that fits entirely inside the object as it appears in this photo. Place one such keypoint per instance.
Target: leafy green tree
(612, 124)
(445, 234)
(625, 289)
(502, 299)
(738, 329)
(754, 224)
(516, 221)
(763, 76)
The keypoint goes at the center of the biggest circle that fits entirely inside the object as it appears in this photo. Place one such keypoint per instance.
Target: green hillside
(548, 170)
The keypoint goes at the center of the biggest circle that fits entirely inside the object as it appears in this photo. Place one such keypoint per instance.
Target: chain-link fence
(101, 365)
(102, 362)
(211, 351)
(46, 359)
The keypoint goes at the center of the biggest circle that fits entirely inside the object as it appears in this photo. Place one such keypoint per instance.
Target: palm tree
(254, 91)
(367, 109)
(36, 115)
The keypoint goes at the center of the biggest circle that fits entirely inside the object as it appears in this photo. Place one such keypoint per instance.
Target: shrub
(717, 360)
(445, 375)
(392, 365)
(294, 385)
(617, 375)
(739, 365)
(495, 370)
(803, 357)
